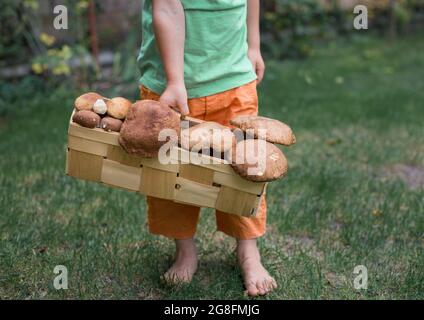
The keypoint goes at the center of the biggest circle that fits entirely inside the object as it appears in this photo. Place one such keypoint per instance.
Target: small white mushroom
(100, 107)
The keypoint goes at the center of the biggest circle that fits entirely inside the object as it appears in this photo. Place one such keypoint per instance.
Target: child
(197, 55)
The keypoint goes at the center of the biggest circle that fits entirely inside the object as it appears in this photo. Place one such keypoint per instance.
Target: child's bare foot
(185, 263)
(256, 279)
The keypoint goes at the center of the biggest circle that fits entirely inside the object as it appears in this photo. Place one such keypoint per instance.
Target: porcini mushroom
(207, 135)
(86, 118)
(100, 107)
(111, 124)
(118, 107)
(87, 101)
(258, 160)
(143, 125)
(265, 128)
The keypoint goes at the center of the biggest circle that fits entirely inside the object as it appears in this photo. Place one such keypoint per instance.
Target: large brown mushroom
(142, 126)
(207, 135)
(87, 101)
(118, 107)
(86, 118)
(265, 128)
(258, 160)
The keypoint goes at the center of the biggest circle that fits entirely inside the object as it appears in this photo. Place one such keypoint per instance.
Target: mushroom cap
(111, 124)
(258, 160)
(140, 132)
(271, 130)
(118, 107)
(207, 135)
(86, 118)
(87, 101)
(100, 107)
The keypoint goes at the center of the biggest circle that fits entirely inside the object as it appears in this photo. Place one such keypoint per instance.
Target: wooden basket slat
(183, 156)
(158, 183)
(116, 153)
(155, 164)
(237, 202)
(194, 193)
(88, 146)
(84, 166)
(98, 135)
(196, 174)
(218, 167)
(119, 175)
(236, 182)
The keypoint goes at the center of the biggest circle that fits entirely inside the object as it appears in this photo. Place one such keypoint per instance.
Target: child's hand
(175, 95)
(258, 63)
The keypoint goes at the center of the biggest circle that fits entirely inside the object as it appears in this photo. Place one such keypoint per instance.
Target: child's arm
(254, 38)
(169, 25)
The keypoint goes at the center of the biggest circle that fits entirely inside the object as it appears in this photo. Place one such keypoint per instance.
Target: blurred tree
(289, 25)
(18, 26)
(392, 23)
(94, 40)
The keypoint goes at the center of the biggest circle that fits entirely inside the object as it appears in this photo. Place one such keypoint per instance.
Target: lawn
(354, 193)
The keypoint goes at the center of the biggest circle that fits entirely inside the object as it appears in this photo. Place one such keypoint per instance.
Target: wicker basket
(95, 155)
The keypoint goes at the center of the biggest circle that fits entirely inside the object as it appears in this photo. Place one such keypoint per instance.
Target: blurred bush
(18, 40)
(291, 28)
(23, 40)
(28, 38)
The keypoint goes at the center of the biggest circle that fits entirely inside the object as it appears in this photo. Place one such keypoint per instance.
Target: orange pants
(179, 221)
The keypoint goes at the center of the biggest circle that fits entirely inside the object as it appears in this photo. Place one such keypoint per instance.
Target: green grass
(357, 109)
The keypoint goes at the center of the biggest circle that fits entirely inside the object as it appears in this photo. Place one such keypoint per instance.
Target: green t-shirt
(215, 48)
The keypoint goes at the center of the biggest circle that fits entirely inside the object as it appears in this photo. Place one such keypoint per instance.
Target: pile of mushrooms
(261, 135)
(250, 147)
(96, 111)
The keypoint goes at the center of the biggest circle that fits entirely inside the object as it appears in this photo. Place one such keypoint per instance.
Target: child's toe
(252, 289)
(273, 284)
(262, 288)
